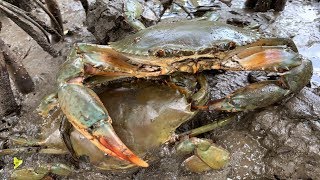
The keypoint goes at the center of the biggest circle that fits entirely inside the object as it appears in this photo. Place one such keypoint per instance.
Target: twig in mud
(53, 7)
(20, 75)
(34, 20)
(47, 28)
(41, 40)
(58, 25)
(8, 104)
(27, 53)
(85, 5)
(22, 13)
(26, 5)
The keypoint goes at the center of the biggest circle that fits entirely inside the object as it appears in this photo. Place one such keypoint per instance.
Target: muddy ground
(278, 142)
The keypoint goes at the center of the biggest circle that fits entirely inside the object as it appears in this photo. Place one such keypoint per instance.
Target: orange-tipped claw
(124, 153)
(109, 139)
(87, 114)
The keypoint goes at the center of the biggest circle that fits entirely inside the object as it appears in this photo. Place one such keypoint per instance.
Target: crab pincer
(86, 112)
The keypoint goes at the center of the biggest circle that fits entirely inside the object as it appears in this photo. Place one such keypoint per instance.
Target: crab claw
(109, 139)
(88, 115)
(206, 156)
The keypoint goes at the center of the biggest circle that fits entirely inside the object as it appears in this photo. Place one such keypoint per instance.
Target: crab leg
(265, 93)
(83, 107)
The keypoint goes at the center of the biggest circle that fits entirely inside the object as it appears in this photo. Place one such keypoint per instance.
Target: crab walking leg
(65, 130)
(27, 145)
(31, 150)
(133, 10)
(83, 107)
(265, 93)
(41, 171)
(206, 128)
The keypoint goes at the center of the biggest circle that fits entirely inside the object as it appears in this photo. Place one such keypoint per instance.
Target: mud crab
(172, 53)
(162, 50)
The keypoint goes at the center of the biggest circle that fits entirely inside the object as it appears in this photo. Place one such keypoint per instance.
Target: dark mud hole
(279, 142)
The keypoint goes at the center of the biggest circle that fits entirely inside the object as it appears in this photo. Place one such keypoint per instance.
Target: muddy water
(277, 142)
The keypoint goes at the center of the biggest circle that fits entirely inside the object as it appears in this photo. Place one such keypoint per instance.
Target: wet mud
(278, 142)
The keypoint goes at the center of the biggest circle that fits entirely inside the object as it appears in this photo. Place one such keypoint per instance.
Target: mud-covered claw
(206, 156)
(215, 157)
(204, 160)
